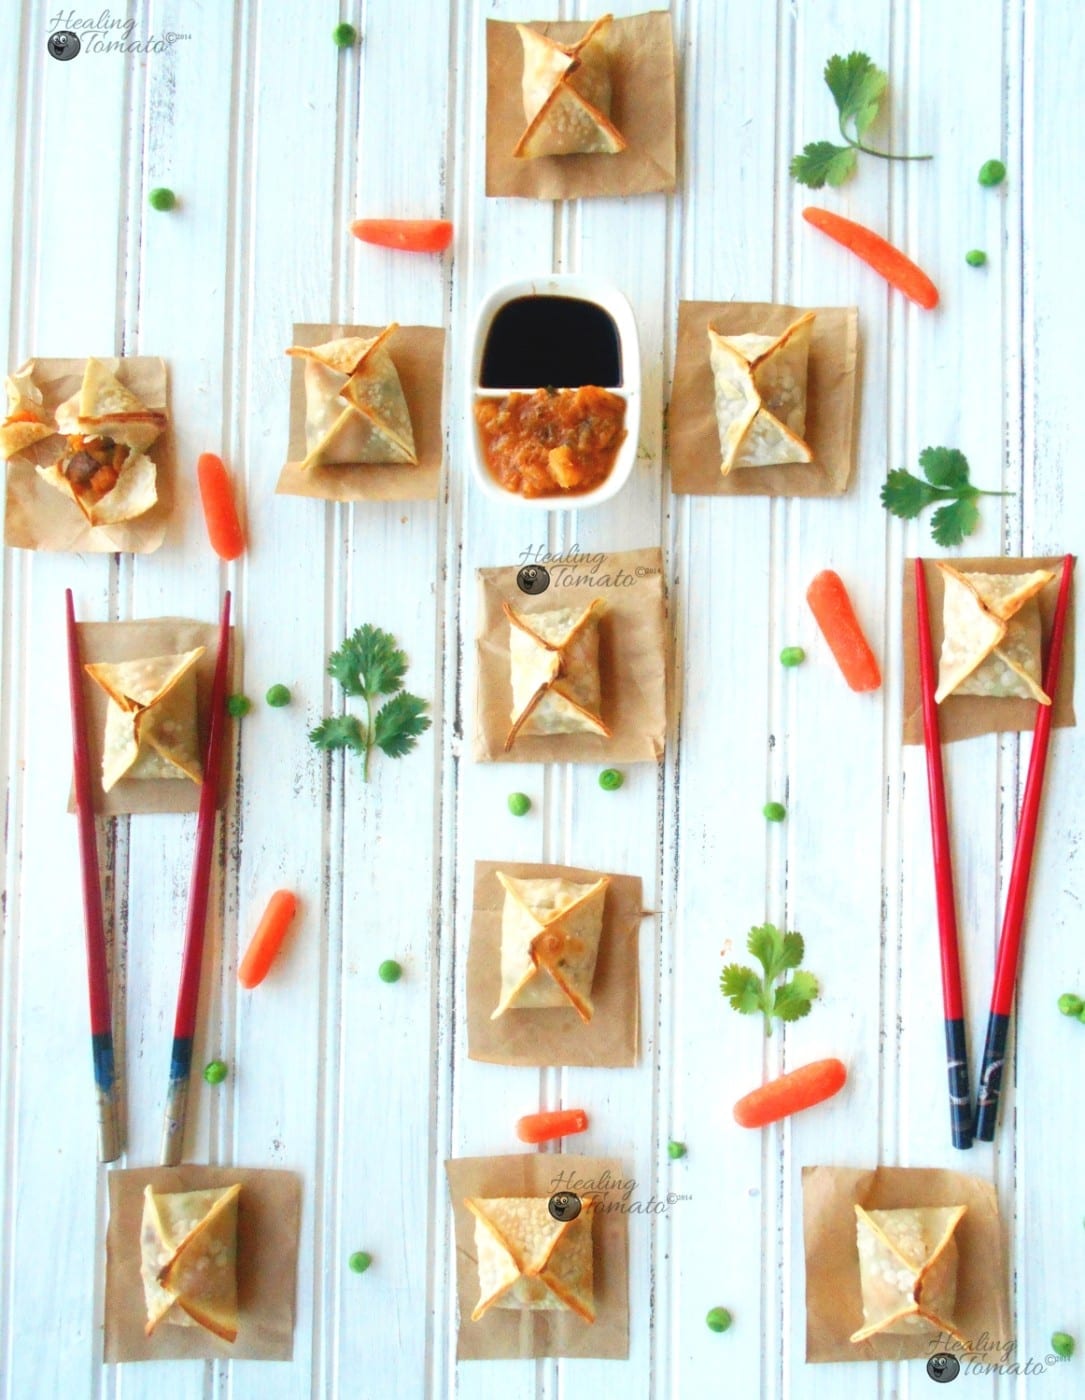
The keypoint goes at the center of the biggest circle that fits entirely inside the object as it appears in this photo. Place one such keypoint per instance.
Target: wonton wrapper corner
(992, 635)
(550, 931)
(188, 1259)
(528, 1260)
(554, 671)
(27, 420)
(908, 1270)
(760, 384)
(355, 409)
(566, 95)
(151, 728)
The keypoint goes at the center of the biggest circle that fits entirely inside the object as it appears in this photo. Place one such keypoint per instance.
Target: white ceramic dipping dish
(605, 295)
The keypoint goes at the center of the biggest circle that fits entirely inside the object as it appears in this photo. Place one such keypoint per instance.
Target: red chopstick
(1009, 943)
(101, 1018)
(188, 991)
(960, 1093)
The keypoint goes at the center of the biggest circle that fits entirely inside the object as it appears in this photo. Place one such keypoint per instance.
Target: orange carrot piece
(408, 235)
(898, 270)
(219, 510)
(266, 941)
(834, 614)
(802, 1088)
(542, 1127)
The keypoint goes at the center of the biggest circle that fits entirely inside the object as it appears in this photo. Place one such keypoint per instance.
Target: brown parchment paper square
(512, 1332)
(418, 355)
(555, 1035)
(268, 1217)
(632, 659)
(37, 516)
(642, 108)
(965, 716)
(834, 1307)
(693, 440)
(128, 641)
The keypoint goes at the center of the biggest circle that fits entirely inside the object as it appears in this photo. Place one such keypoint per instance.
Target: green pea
(278, 696)
(676, 1150)
(238, 706)
(992, 172)
(774, 811)
(389, 970)
(1071, 1005)
(718, 1319)
(162, 199)
(359, 1261)
(344, 36)
(610, 779)
(1062, 1344)
(215, 1071)
(976, 258)
(519, 804)
(792, 656)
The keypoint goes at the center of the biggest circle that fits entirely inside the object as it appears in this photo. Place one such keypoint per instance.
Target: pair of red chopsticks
(101, 1023)
(1009, 944)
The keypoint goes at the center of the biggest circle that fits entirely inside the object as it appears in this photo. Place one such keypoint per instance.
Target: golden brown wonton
(566, 90)
(529, 1260)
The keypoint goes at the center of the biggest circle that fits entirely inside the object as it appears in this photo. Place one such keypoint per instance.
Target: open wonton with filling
(566, 90)
(151, 726)
(27, 421)
(992, 641)
(188, 1259)
(908, 1270)
(529, 1260)
(554, 662)
(355, 411)
(760, 391)
(550, 932)
(104, 469)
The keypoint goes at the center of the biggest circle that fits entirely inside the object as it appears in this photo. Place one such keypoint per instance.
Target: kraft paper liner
(555, 1035)
(632, 659)
(38, 516)
(965, 716)
(418, 355)
(833, 1299)
(509, 1332)
(268, 1219)
(129, 641)
(642, 70)
(693, 440)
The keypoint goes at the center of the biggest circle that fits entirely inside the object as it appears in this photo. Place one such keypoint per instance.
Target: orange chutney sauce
(552, 442)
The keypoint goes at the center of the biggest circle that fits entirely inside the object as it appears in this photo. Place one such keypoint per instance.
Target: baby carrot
(266, 941)
(219, 511)
(898, 271)
(802, 1088)
(541, 1127)
(834, 614)
(408, 235)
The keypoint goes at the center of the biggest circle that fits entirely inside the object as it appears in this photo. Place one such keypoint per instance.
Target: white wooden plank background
(273, 140)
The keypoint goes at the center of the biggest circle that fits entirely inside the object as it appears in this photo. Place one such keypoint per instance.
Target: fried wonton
(188, 1259)
(27, 421)
(554, 662)
(355, 411)
(908, 1270)
(529, 1260)
(992, 641)
(550, 932)
(760, 383)
(151, 726)
(104, 468)
(566, 89)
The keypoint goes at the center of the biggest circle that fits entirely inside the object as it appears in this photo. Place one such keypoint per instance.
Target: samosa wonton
(151, 728)
(550, 932)
(554, 662)
(760, 391)
(908, 1270)
(528, 1260)
(992, 639)
(567, 91)
(188, 1259)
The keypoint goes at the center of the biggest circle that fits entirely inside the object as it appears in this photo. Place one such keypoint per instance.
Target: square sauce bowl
(561, 331)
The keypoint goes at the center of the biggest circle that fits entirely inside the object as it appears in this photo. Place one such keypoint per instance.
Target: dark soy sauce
(549, 341)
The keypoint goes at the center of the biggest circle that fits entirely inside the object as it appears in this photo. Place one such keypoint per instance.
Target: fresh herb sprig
(857, 86)
(777, 953)
(368, 665)
(946, 485)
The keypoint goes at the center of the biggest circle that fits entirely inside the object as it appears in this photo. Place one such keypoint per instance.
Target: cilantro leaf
(857, 87)
(821, 163)
(368, 663)
(777, 953)
(944, 466)
(398, 724)
(339, 732)
(950, 524)
(905, 495)
(763, 941)
(794, 997)
(742, 987)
